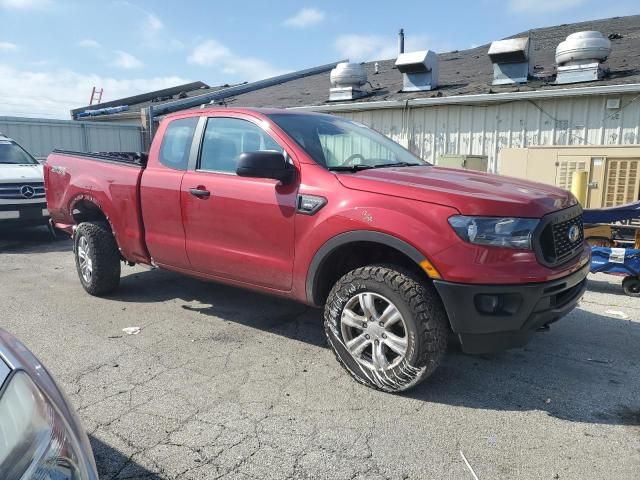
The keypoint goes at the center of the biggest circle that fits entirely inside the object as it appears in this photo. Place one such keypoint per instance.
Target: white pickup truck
(22, 200)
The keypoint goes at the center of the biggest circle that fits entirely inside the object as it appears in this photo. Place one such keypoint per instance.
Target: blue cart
(619, 261)
(616, 261)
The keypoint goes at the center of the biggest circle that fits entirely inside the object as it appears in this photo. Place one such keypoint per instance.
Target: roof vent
(580, 57)
(511, 60)
(419, 70)
(347, 80)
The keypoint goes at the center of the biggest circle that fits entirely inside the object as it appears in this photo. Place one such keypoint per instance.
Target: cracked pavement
(222, 383)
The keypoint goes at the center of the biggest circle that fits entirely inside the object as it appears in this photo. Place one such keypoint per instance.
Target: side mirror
(265, 164)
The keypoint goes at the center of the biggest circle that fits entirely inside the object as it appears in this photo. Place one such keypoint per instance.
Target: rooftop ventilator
(347, 82)
(580, 57)
(419, 70)
(511, 60)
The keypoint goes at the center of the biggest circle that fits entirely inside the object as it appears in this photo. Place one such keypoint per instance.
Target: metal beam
(143, 97)
(165, 108)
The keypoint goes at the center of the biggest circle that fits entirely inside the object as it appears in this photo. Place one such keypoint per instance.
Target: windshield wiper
(356, 168)
(397, 164)
(349, 168)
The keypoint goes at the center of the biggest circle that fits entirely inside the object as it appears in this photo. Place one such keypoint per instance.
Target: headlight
(35, 440)
(495, 231)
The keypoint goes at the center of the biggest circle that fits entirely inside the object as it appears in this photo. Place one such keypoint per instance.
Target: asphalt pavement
(225, 383)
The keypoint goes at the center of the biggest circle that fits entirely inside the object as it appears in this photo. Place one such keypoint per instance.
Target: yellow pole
(579, 180)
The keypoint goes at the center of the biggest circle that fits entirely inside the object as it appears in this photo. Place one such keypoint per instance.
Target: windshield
(12, 153)
(340, 144)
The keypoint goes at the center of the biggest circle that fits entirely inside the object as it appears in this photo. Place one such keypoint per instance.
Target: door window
(176, 143)
(226, 138)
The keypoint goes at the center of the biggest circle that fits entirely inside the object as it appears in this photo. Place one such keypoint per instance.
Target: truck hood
(468, 191)
(20, 173)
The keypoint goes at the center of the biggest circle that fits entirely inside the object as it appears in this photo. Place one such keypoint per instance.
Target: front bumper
(24, 214)
(491, 318)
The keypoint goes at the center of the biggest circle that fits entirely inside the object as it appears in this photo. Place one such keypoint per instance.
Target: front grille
(555, 243)
(14, 191)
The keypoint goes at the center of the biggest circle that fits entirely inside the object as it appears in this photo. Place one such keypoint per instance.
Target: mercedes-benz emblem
(574, 233)
(27, 191)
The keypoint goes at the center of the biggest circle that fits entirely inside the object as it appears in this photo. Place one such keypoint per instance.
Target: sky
(52, 52)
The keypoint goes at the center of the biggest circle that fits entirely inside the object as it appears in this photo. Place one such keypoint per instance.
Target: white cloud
(250, 68)
(155, 35)
(42, 63)
(8, 47)
(212, 53)
(125, 60)
(305, 18)
(359, 48)
(175, 44)
(542, 6)
(209, 53)
(153, 23)
(152, 30)
(53, 93)
(24, 4)
(88, 43)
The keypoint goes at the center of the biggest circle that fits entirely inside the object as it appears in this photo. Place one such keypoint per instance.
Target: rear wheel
(631, 286)
(387, 328)
(97, 258)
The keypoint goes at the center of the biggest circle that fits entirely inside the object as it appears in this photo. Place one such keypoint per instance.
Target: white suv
(22, 200)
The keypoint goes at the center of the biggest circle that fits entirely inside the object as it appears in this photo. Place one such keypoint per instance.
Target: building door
(621, 181)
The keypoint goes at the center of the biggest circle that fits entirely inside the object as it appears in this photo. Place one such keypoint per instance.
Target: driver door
(237, 227)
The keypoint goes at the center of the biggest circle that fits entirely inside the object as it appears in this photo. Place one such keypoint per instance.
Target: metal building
(485, 124)
(40, 136)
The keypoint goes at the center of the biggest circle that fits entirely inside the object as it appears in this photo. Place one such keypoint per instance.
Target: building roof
(468, 72)
(157, 97)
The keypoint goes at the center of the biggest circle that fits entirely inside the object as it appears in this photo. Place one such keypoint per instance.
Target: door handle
(200, 192)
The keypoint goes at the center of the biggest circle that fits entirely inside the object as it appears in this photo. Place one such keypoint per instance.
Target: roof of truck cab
(216, 109)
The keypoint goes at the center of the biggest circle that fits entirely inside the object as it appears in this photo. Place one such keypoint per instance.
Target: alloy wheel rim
(374, 331)
(84, 260)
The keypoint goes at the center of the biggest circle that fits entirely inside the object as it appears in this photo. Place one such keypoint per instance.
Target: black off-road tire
(423, 313)
(104, 255)
(631, 286)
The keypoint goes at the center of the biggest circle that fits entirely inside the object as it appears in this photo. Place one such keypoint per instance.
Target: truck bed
(80, 185)
(134, 158)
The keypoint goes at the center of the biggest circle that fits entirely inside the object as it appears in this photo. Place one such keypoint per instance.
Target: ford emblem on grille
(573, 234)
(27, 191)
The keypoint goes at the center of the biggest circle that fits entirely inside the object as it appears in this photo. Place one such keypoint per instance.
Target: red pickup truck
(329, 212)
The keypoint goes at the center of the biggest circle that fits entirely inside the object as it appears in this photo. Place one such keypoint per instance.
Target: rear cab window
(176, 143)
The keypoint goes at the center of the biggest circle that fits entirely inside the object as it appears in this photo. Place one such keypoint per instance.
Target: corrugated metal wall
(41, 136)
(485, 129)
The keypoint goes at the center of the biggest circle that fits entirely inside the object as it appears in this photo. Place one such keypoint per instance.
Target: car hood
(20, 173)
(468, 191)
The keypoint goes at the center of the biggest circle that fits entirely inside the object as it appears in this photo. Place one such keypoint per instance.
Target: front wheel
(387, 328)
(97, 258)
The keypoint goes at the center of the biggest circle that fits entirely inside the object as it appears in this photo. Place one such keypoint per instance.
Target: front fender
(414, 228)
(350, 237)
